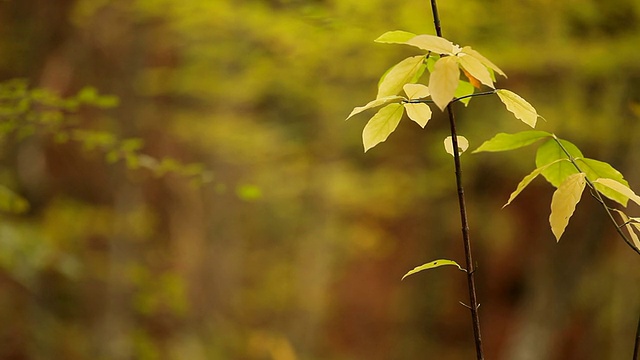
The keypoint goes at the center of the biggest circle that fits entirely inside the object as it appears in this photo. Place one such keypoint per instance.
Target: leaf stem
(473, 306)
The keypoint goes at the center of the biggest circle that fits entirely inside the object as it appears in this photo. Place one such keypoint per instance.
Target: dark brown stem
(636, 348)
(473, 299)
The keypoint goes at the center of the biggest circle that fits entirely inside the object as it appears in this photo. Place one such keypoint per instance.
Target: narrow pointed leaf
(469, 51)
(444, 81)
(564, 201)
(416, 91)
(463, 144)
(432, 265)
(464, 88)
(619, 188)
(598, 169)
(432, 43)
(549, 152)
(402, 73)
(395, 37)
(518, 106)
(418, 112)
(375, 103)
(527, 180)
(381, 125)
(476, 68)
(504, 142)
(629, 223)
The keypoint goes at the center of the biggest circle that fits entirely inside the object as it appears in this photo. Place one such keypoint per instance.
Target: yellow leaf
(528, 179)
(518, 106)
(463, 144)
(473, 81)
(402, 73)
(374, 103)
(469, 51)
(475, 68)
(564, 201)
(433, 43)
(629, 223)
(618, 187)
(443, 81)
(432, 265)
(418, 112)
(416, 91)
(381, 125)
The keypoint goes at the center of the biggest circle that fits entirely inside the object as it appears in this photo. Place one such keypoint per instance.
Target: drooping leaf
(402, 73)
(469, 51)
(464, 88)
(463, 144)
(619, 188)
(518, 106)
(476, 68)
(504, 142)
(432, 265)
(444, 81)
(375, 103)
(381, 125)
(395, 37)
(527, 180)
(416, 91)
(630, 225)
(598, 169)
(549, 152)
(433, 43)
(564, 201)
(418, 112)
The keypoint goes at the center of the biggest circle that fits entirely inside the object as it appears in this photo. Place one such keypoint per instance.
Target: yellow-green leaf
(630, 223)
(443, 81)
(503, 141)
(564, 201)
(374, 103)
(432, 265)
(402, 73)
(433, 43)
(527, 180)
(620, 188)
(416, 91)
(518, 106)
(381, 125)
(464, 88)
(395, 37)
(469, 51)
(418, 112)
(463, 144)
(599, 169)
(476, 68)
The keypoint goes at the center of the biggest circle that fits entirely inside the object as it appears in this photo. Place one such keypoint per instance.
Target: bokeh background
(295, 246)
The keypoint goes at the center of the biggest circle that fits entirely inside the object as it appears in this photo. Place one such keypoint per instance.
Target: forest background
(294, 246)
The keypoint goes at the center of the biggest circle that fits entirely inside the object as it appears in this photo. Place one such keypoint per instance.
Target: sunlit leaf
(375, 103)
(630, 224)
(549, 152)
(598, 169)
(463, 144)
(464, 88)
(472, 80)
(564, 201)
(476, 68)
(381, 125)
(402, 73)
(620, 188)
(518, 106)
(432, 265)
(527, 180)
(504, 142)
(433, 43)
(469, 51)
(418, 112)
(416, 91)
(444, 80)
(395, 37)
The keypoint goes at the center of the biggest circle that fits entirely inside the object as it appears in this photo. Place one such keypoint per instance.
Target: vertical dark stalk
(636, 348)
(473, 300)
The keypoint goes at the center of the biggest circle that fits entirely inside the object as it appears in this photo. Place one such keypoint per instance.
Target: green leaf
(444, 81)
(620, 188)
(469, 51)
(463, 144)
(518, 106)
(527, 180)
(432, 265)
(395, 37)
(438, 45)
(598, 169)
(381, 125)
(564, 201)
(464, 88)
(476, 69)
(418, 112)
(402, 73)
(504, 142)
(374, 103)
(549, 152)
(416, 91)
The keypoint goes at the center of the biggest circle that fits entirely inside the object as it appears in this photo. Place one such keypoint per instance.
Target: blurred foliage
(295, 247)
